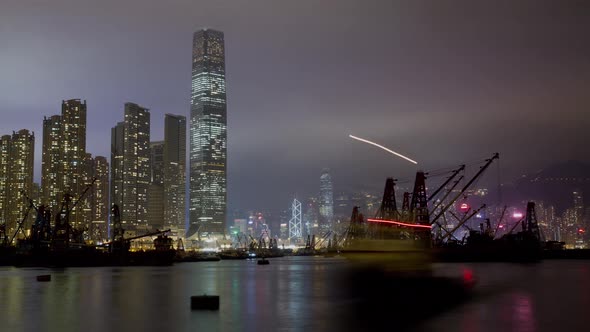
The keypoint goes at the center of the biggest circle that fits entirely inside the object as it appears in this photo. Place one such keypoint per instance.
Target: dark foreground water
(291, 294)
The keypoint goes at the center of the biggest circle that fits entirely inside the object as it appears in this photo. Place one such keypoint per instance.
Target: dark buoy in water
(263, 261)
(205, 302)
(45, 277)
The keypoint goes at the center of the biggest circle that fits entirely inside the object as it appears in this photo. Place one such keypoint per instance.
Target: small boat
(263, 261)
(233, 254)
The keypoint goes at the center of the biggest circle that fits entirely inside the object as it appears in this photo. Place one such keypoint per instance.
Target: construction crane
(475, 177)
(447, 181)
(500, 220)
(19, 226)
(463, 221)
(63, 229)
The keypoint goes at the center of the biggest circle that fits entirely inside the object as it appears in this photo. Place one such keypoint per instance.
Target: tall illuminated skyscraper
(51, 162)
(208, 134)
(20, 179)
(117, 148)
(175, 173)
(100, 199)
(130, 166)
(4, 171)
(63, 159)
(156, 188)
(326, 201)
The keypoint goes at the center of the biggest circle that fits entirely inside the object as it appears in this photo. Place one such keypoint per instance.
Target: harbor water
(289, 294)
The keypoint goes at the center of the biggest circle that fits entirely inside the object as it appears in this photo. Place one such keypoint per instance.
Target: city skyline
(334, 165)
(424, 89)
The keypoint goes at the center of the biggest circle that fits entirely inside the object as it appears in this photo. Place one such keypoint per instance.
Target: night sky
(440, 83)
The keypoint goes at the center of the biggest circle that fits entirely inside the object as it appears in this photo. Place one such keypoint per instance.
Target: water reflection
(523, 313)
(293, 293)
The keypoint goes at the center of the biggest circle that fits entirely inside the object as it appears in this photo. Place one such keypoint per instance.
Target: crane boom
(455, 172)
(475, 177)
(448, 193)
(500, 220)
(464, 220)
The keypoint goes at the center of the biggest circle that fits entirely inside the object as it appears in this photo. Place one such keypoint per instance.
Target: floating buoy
(205, 302)
(44, 277)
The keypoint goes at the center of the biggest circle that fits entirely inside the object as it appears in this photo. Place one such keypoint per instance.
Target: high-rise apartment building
(4, 171)
(117, 148)
(100, 199)
(51, 162)
(19, 179)
(326, 201)
(208, 134)
(156, 188)
(130, 166)
(95, 202)
(63, 168)
(175, 173)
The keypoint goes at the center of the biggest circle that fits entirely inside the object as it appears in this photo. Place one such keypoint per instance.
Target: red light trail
(399, 223)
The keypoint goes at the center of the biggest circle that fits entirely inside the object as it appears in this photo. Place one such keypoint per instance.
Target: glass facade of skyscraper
(208, 135)
(326, 201)
(175, 173)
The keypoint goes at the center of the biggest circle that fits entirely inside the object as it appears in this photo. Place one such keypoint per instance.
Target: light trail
(384, 148)
(383, 221)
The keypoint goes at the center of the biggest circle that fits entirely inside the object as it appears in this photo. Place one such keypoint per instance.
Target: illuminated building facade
(19, 178)
(51, 163)
(175, 173)
(73, 155)
(208, 134)
(64, 159)
(117, 148)
(326, 203)
(99, 199)
(4, 171)
(156, 188)
(130, 166)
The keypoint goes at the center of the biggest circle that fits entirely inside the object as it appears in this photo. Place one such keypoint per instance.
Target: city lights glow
(384, 148)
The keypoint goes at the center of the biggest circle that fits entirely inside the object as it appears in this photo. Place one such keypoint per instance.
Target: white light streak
(384, 148)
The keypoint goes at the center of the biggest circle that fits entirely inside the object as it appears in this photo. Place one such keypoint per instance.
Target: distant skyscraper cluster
(208, 134)
(67, 170)
(148, 177)
(167, 191)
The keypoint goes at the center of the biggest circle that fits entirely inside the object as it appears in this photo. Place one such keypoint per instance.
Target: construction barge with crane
(421, 228)
(58, 244)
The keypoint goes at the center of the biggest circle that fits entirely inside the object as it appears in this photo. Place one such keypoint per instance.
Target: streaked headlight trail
(382, 147)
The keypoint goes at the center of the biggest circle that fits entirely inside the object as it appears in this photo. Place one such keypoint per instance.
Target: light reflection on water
(292, 293)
